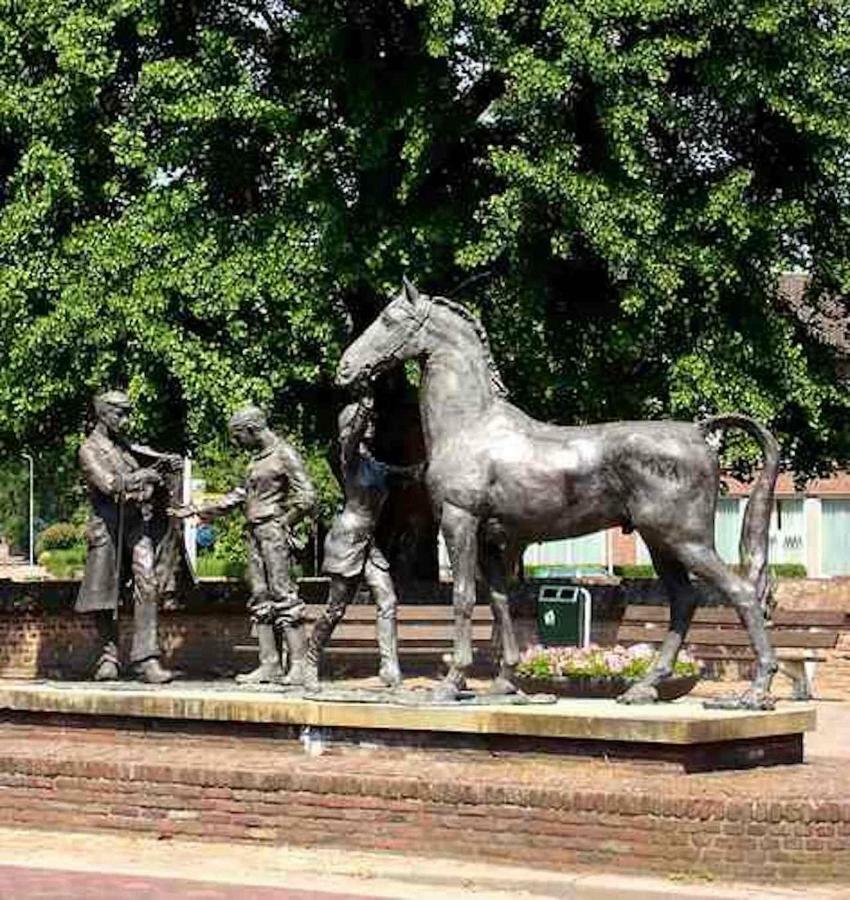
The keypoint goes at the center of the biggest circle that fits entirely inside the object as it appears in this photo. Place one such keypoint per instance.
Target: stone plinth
(683, 732)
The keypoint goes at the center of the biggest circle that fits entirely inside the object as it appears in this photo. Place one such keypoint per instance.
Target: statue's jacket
(276, 488)
(121, 513)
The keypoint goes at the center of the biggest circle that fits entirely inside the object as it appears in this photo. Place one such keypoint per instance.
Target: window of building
(588, 550)
(835, 537)
(787, 531)
(727, 528)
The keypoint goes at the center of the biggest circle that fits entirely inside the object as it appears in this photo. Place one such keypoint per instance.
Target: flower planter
(600, 687)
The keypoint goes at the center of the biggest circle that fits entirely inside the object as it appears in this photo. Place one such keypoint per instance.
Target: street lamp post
(29, 459)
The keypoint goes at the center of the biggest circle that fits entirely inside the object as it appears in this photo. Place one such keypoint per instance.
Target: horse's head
(392, 338)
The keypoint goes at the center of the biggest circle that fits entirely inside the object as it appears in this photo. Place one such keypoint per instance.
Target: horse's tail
(755, 533)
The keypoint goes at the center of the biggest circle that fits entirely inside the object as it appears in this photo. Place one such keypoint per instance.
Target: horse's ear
(409, 290)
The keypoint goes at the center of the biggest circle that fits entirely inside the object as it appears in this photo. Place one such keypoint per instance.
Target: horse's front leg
(460, 532)
(499, 564)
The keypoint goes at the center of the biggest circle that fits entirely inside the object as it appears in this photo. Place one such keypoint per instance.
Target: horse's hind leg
(683, 603)
(704, 562)
(497, 566)
(460, 530)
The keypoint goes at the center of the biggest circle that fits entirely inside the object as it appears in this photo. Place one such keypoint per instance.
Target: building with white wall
(809, 527)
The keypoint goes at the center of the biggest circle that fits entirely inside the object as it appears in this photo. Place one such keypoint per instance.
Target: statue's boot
(296, 642)
(390, 671)
(311, 668)
(269, 671)
(151, 672)
(106, 667)
(320, 635)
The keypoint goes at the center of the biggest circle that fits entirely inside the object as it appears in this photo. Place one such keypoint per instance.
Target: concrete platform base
(682, 733)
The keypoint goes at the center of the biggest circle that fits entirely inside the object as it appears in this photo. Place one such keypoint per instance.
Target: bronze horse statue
(500, 480)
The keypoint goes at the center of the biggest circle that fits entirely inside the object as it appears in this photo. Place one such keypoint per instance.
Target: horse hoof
(638, 694)
(446, 692)
(755, 700)
(502, 687)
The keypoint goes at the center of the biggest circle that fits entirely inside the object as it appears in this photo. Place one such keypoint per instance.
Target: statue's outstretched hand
(185, 511)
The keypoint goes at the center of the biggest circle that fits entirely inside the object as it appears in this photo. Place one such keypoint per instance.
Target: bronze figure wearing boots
(276, 494)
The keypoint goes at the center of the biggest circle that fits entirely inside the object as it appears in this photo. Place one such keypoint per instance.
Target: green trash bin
(563, 615)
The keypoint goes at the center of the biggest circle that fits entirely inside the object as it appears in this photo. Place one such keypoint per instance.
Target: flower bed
(600, 671)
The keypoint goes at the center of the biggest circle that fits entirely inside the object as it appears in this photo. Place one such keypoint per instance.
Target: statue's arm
(100, 476)
(301, 500)
(225, 504)
(156, 458)
(349, 446)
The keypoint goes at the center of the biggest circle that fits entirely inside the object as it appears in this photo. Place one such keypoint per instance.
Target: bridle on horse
(416, 325)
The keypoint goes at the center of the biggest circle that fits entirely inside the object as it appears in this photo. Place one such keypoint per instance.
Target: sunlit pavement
(43, 865)
(19, 883)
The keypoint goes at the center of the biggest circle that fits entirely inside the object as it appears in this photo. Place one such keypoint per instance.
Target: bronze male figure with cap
(276, 494)
(128, 487)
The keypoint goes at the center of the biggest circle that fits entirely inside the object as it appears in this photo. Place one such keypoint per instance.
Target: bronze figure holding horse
(500, 480)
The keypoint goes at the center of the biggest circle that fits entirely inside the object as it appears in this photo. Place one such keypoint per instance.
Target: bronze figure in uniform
(351, 554)
(276, 495)
(128, 486)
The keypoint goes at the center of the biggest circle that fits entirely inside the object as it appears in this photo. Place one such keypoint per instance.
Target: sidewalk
(73, 866)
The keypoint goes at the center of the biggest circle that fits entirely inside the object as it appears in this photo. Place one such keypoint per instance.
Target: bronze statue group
(498, 481)
(135, 508)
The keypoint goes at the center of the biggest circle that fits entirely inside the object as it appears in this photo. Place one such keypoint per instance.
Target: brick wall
(463, 805)
(64, 645)
(623, 547)
(40, 636)
(813, 593)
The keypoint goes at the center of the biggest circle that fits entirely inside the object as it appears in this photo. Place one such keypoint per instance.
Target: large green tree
(201, 198)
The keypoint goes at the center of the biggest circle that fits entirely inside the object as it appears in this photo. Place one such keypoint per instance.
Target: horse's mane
(495, 376)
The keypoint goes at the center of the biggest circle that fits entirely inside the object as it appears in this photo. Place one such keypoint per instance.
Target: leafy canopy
(198, 200)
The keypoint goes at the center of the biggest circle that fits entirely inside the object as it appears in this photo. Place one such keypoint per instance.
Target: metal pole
(587, 608)
(29, 459)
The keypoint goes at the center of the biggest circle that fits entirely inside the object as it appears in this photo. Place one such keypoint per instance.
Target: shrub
(597, 662)
(210, 566)
(64, 563)
(563, 570)
(60, 536)
(780, 570)
(643, 570)
(788, 570)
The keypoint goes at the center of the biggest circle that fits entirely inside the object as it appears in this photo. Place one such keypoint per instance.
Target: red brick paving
(19, 883)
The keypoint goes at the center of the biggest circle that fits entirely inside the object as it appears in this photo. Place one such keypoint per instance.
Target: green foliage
(788, 570)
(13, 503)
(210, 566)
(557, 570)
(64, 563)
(59, 536)
(635, 571)
(198, 200)
(779, 570)
(230, 549)
(629, 663)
